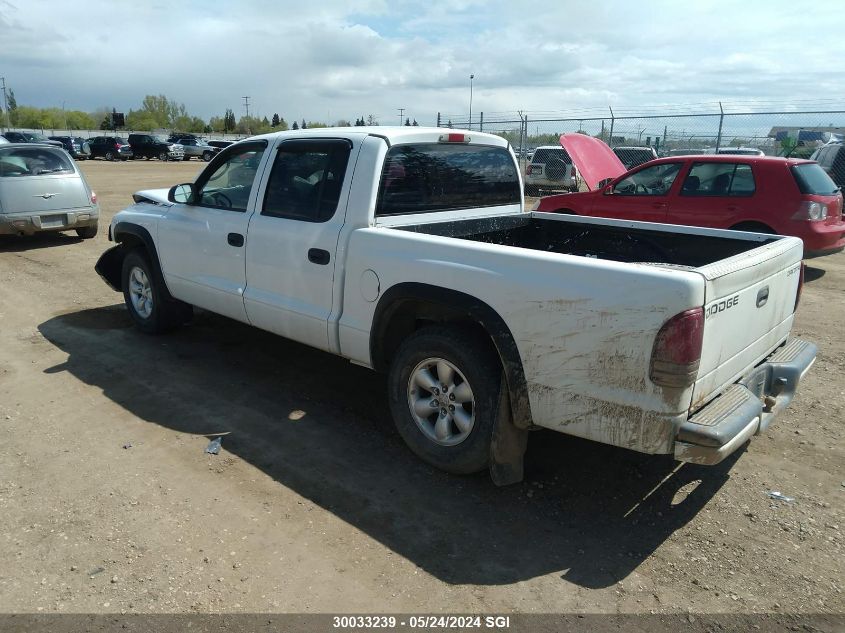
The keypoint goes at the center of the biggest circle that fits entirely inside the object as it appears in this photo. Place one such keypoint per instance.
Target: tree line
(158, 112)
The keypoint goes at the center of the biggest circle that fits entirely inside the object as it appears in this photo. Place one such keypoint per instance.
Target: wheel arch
(129, 236)
(406, 307)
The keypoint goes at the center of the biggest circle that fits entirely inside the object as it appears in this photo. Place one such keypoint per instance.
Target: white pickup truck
(408, 250)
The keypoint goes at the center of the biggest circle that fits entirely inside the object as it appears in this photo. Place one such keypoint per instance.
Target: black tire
(162, 156)
(109, 156)
(475, 360)
(87, 232)
(753, 227)
(207, 156)
(165, 314)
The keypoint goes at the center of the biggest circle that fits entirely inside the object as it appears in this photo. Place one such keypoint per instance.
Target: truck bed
(591, 237)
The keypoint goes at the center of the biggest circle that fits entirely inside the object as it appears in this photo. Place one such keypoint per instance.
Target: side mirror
(183, 194)
(604, 183)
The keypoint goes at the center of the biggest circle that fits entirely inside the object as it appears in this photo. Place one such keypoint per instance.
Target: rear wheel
(444, 386)
(87, 232)
(109, 155)
(145, 299)
(207, 156)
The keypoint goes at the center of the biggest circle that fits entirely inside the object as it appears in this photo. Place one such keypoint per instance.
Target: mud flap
(507, 447)
(109, 266)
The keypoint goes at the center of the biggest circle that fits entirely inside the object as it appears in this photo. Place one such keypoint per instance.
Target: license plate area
(52, 221)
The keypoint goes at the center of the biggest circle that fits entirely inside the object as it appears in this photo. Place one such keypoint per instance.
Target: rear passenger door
(292, 239)
(715, 194)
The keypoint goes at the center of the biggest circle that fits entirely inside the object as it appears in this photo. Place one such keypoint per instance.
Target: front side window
(227, 184)
(422, 177)
(719, 179)
(306, 180)
(651, 181)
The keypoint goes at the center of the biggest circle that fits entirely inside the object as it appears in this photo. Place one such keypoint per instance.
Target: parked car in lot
(550, 170)
(4, 140)
(749, 193)
(831, 158)
(408, 250)
(42, 189)
(218, 145)
(76, 146)
(150, 146)
(110, 148)
(634, 156)
(29, 137)
(196, 148)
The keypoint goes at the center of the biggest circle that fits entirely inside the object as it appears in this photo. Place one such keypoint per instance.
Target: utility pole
(246, 105)
(5, 104)
(401, 114)
(471, 77)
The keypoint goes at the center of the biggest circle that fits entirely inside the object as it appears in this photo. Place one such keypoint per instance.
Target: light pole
(471, 77)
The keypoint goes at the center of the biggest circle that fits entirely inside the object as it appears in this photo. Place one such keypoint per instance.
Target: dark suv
(30, 137)
(76, 146)
(110, 148)
(150, 146)
(831, 158)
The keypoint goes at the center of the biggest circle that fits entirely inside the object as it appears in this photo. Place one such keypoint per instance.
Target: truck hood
(593, 159)
(155, 196)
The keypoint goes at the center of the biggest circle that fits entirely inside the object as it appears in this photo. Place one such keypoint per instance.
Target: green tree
(371, 119)
(12, 104)
(282, 125)
(303, 125)
(78, 120)
(408, 122)
(295, 126)
(229, 120)
(415, 124)
(275, 121)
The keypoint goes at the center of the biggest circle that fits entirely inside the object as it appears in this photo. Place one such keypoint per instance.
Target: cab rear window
(812, 179)
(423, 177)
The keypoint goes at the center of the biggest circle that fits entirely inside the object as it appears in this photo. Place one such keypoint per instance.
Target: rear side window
(306, 180)
(719, 179)
(545, 155)
(33, 161)
(812, 179)
(425, 177)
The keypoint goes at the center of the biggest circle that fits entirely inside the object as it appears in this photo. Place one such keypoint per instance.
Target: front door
(643, 195)
(290, 262)
(202, 243)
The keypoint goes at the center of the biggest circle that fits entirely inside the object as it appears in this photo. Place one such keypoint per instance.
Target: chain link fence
(775, 133)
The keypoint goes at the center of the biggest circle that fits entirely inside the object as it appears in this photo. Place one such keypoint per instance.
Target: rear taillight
(677, 349)
(800, 286)
(93, 198)
(811, 211)
(528, 169)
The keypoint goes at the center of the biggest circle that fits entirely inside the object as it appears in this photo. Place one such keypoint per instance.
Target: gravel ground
(109, 504)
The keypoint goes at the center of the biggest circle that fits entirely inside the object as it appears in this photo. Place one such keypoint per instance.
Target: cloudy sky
(331, 59)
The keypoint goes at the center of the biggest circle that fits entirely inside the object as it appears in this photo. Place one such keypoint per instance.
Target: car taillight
(811, 211)
(676, 354)
(800, 286)
(93, 198)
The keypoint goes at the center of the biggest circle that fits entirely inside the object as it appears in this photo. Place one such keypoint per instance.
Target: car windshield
(34, 137)
(160, 139)
(812, 179)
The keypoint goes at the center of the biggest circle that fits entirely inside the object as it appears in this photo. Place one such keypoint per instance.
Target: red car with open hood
(749, 193)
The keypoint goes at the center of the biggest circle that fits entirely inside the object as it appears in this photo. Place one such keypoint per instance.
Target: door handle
(235, 239)
(318, 256)
(762, 297)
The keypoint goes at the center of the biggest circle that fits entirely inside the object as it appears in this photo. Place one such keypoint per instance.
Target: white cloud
(329, 60)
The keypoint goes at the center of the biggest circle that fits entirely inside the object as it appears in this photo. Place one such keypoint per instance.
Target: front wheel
(444, 386)
(162, 156)
(146, 301)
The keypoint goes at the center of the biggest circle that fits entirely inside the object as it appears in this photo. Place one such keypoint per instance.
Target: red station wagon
(748, 193)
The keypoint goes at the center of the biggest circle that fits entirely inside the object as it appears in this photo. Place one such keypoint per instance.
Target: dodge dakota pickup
(408, 250)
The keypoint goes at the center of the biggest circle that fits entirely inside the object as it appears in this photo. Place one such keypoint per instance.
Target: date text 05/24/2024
(421, 622)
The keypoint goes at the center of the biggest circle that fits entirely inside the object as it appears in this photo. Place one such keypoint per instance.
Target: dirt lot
(108, 502)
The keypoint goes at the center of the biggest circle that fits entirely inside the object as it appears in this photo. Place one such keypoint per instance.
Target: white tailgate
(750, 299)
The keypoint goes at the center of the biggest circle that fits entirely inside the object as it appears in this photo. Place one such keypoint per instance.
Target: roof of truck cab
(393, 134)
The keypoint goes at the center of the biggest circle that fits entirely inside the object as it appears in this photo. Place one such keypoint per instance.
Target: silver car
(41, 189)
(197, 148)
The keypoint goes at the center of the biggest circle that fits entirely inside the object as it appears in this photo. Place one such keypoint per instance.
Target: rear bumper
(747, 408)
(823, 238)
(28, 224)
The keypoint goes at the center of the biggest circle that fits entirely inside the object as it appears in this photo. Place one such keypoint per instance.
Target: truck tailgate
(749, 305)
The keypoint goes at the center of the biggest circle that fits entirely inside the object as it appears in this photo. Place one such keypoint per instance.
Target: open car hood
(593, 159)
